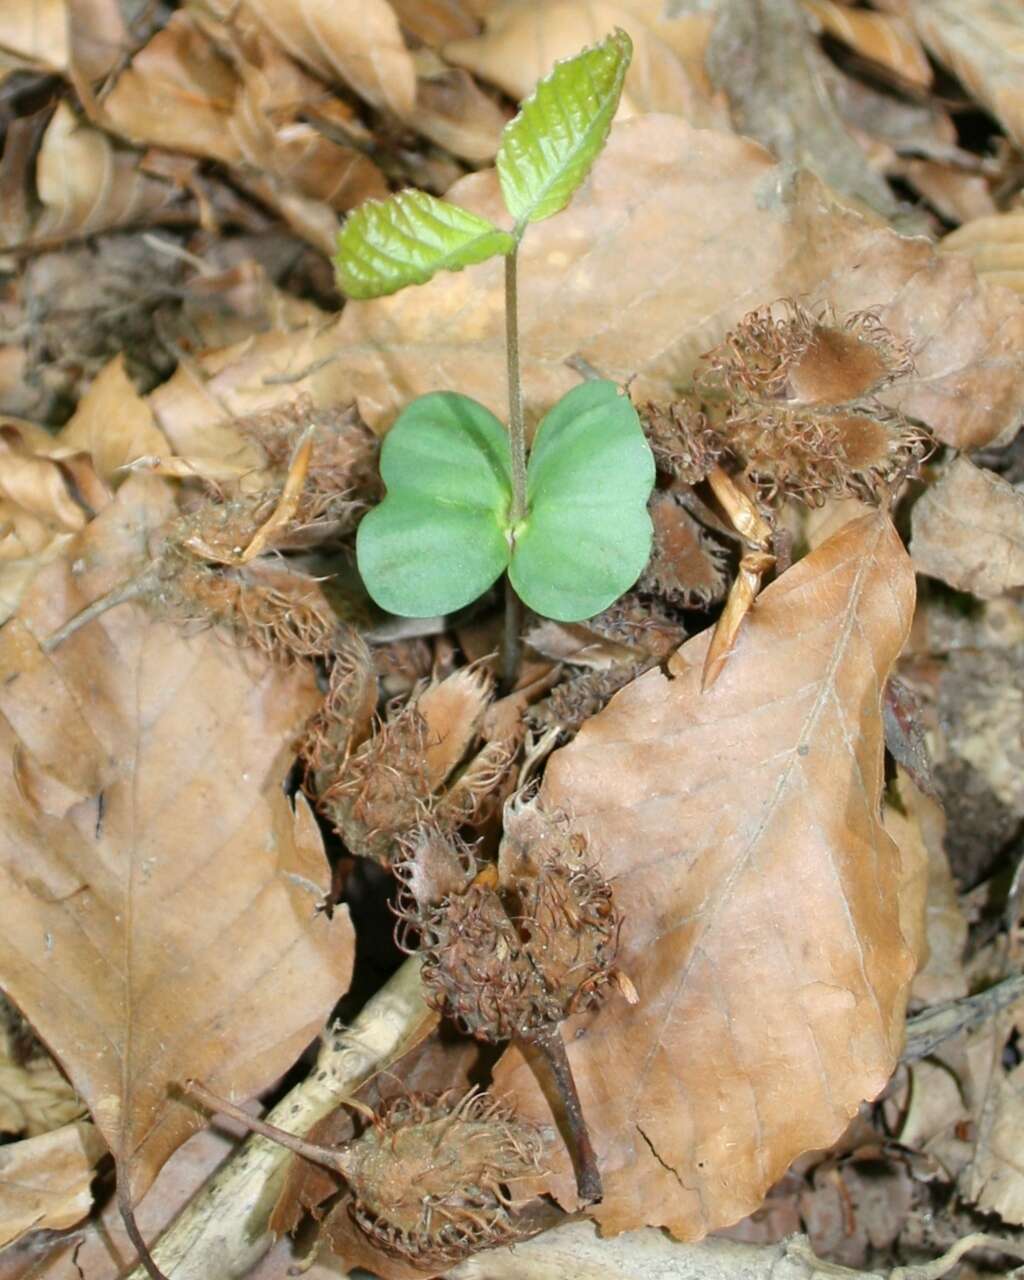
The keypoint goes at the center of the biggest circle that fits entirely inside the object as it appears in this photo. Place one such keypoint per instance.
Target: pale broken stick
(576, 1250)
(223, 1230)
(757, 559)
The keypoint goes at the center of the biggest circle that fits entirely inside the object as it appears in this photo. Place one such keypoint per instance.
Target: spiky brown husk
(580, 697)
(790, 399)
(686, 567)
(433, 1179)
(520, 957)
(382, 789)
(789, 353)
(685, 445)
(267, 606)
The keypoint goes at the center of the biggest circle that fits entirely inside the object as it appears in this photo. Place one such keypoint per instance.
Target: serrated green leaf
(388, 244)
(547, 150)
(588, 535)
(438, 540)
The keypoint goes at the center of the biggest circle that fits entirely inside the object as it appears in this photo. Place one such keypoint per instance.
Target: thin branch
(930, 1028)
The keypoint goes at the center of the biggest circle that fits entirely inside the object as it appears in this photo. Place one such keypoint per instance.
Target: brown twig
(550, 1045)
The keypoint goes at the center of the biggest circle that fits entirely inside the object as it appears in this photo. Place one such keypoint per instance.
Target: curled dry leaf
(84, 185)
(47, 493)
(148, 843)
(994, 246)
(885, 38)
(182, 92)
(980, 41)
(360, 45)
(46, 1181)
(758, 891)
(524, 40)
(712, 228)
(968, 531)
(34, 1096)
(113, 424)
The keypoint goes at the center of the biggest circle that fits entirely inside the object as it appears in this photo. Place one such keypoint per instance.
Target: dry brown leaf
(83, 182)
(942, 977)
(100, 1249)
(36, 32)
(113, 424)
(149, 848)
(34, 1096)
(46, 494)
(435, 22)
(982, 41)
(711, 228)
(958, 196)
(45, 1182)
(358, 44)
(779, 87)
(178, 93)
(181, 92)
(994, 246)
(759, 897)
(994, 1179)
(523, 41)
(912, 890)
(884, 38)
(453, 111)
(968, 531)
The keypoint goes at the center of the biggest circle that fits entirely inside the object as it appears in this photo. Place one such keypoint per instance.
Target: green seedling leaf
(439, 539)
(587, 536)
(547, 150)
(388, 244)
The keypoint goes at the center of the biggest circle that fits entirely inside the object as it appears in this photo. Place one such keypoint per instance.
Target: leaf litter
(222, 756)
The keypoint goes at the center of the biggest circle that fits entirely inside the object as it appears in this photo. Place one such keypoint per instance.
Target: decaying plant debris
(695, 940)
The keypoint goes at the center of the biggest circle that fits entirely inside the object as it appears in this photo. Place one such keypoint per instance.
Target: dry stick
(223, 1230)
(329, 1156)
(121, 594)
(930, 1028)
(551, 1046)
(517, 447)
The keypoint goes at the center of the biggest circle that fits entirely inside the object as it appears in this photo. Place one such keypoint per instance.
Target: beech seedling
(465, 503)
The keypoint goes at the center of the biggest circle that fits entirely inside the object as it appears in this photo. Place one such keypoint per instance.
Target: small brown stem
(124, 1204)
(551, 1046)
(121, 594)
(327, 1156)
(510, 647)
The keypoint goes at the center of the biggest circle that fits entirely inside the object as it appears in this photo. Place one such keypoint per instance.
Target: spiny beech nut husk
(540, 946)
(434, 1181)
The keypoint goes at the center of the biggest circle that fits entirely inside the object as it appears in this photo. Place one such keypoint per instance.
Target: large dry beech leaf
(711, 227)
(968, 531)
(741, 828)
(160, 894)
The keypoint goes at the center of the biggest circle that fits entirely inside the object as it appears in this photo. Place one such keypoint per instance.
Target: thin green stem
(516, 429)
